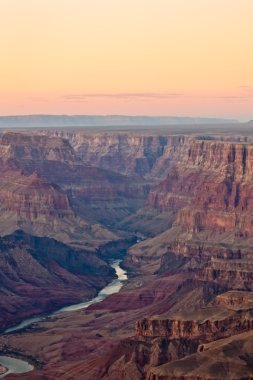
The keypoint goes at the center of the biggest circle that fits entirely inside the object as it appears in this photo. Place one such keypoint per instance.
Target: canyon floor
(176, 204)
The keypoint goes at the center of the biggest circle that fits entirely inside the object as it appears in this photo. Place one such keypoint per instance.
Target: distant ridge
(103, 120)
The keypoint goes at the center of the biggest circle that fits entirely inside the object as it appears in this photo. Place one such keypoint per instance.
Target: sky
(133, 57)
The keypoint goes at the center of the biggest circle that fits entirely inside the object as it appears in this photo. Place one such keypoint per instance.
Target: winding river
(20, 366)
(14, 366)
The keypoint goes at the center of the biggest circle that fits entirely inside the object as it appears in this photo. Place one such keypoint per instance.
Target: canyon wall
(132, 153)
(190, 287)
(39, 274)
(30, 203)
(209, 189)
(97, 194)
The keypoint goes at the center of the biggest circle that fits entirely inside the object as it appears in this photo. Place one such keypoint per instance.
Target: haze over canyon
(171, 205)
(126, 190)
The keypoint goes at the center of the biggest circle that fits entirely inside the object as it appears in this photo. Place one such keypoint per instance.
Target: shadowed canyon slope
(186, 311)
(209, 190)
(41, 274)
(50, 192)
(101, 195)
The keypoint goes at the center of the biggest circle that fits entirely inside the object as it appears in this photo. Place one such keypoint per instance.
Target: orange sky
(153, 57)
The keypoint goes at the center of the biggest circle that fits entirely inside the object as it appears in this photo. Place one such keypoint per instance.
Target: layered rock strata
(192, 299)
(94, 193)
(220, 360)
(161, 342)
(139, 154)
(210, 192)
(32, 204)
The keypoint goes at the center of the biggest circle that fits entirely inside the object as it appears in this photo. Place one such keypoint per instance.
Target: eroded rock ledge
(170, 347)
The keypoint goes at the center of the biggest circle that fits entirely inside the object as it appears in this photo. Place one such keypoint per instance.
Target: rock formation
(189, 294)
(40, 208)
(219, 361)
(97, 194)
(131, 153)
(209, 193)
(40, 274)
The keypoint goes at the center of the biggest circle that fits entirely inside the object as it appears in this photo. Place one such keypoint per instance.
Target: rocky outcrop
(235, 299)
(211, 328)
(133, 357)
(161, 341)
(229, 358)
(236, 274)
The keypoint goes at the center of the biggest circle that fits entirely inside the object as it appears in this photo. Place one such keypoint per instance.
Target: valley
(175, 206)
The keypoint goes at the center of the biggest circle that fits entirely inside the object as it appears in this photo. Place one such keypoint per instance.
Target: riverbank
(3, 371)
(13, 365)
(113, 287)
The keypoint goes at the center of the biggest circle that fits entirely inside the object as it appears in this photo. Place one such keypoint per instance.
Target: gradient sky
(153, 57)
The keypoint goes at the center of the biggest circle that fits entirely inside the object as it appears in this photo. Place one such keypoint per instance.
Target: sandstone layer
(186, 311)
(30, 203)
(94, 193)
(209, 191)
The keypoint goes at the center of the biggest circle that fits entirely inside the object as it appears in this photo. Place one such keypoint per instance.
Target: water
(23, 324)
(20, 366)
(14, 365)
(113, 287)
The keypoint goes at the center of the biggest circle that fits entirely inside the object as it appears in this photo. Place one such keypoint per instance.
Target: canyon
(176, 207)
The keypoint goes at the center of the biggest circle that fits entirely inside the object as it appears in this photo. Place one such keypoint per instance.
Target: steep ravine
(188, 307)
(38, 275)
(113, 287)
(17, 366)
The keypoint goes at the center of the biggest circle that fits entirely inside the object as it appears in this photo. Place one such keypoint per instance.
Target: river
(113, 287)
(15, 365)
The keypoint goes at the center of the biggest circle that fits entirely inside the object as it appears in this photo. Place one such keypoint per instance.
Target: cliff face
(212, 174)
(30, 203)
(180, 341)
(203, 331)
(210, 192)
(129, 153)
(207, 179)
(21, 146)
(143, 158)
(95, 193)
(235, 299)
(206, 187)
(220, 360)
(192, 299)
